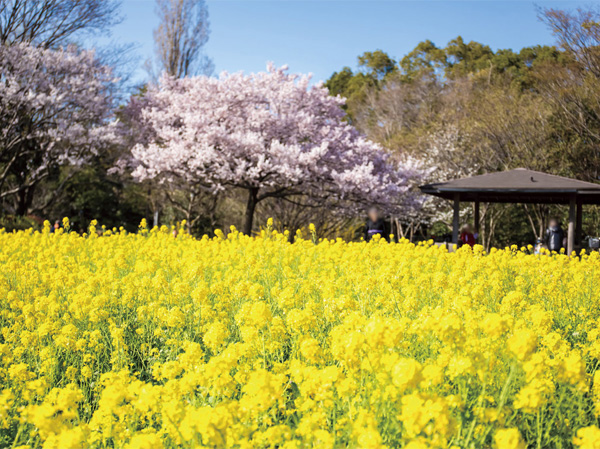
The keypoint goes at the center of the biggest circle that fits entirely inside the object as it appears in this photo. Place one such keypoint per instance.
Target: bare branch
(182, 33)
(54, 22)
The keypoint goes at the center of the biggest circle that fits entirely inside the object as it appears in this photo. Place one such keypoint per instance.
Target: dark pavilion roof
(517, 186)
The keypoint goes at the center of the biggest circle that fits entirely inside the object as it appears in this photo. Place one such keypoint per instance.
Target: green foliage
(12, 223)
(377, 64)
(457, 60)
(374, 68)
(92, 193)
(424, 61)
(352, 86)
(464, 58)
(348, 84)
(513, 227)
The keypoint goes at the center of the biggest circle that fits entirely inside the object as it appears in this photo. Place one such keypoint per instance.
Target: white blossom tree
(55, 107)
(271, 134)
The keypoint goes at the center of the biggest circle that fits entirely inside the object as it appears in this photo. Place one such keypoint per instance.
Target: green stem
(19, 431)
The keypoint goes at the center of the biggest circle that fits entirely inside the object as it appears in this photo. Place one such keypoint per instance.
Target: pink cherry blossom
(55, 107)
(272, 134)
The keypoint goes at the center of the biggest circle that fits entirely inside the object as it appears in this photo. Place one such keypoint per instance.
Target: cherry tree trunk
(250, 207)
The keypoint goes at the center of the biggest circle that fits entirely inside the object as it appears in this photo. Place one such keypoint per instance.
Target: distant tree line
(465, 109)
(68, 125)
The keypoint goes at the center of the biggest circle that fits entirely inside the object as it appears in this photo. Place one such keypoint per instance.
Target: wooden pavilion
(519, 186)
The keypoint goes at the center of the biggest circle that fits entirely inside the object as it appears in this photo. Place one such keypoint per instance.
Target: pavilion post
(476, 215)
(456, 218)
(571, 231)
(578, 223)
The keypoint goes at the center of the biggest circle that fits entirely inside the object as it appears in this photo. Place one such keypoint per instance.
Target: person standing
(375, 225)
(55, 227)
(467, 237)
(555, 236)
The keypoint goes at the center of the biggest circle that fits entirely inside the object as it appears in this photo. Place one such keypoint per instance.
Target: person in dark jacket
(375, 225)
(555, 236)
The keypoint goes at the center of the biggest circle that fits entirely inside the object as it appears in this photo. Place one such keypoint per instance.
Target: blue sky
(321, 37)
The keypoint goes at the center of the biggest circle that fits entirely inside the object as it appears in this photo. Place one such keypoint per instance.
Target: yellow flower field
(148, 340)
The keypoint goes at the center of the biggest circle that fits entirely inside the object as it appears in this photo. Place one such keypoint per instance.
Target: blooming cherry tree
(271, 134)
(54, 110)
